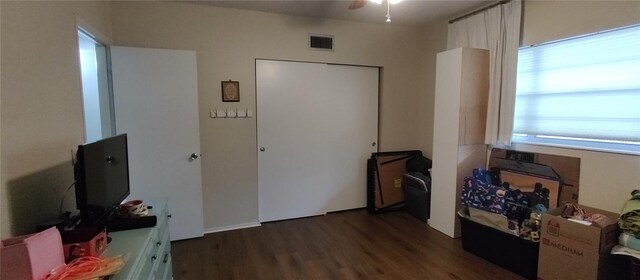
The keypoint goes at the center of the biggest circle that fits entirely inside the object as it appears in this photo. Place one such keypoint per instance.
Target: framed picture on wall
(230, 91)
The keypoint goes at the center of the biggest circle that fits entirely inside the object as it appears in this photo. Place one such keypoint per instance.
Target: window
(97, 101)
(582, 92)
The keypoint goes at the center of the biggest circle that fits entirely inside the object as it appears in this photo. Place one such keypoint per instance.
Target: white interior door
(156, 104)
(316, 126)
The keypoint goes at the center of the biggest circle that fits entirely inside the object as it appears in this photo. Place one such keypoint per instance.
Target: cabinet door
(445, 144)
(474, 93)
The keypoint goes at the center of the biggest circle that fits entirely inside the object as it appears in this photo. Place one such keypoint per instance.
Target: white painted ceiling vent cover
(321, 42)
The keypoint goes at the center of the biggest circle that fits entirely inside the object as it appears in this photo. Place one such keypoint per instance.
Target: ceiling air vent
(321, 42)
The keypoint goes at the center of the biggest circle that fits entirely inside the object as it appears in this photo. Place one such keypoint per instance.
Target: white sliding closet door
(289, 116)
(316, 127)
(353, 116)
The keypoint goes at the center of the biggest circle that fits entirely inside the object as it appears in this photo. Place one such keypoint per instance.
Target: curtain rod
(479, 10)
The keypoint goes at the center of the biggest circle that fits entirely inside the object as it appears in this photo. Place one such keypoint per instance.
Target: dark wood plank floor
(343, 245)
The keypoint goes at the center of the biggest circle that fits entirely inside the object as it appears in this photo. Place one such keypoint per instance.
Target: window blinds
(586, 87)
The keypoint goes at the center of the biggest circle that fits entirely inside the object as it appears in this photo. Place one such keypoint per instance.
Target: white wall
(227, 42)
(606, 179)
(41, 106)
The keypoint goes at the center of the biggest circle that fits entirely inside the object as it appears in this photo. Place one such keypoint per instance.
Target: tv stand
(149, 249)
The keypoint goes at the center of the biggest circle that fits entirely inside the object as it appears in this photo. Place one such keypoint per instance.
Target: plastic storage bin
(417, 195)
(511, 252)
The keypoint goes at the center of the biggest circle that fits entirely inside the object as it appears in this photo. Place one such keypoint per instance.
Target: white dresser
(149, 249)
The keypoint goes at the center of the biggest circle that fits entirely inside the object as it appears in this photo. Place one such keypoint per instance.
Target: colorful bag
(479, 193)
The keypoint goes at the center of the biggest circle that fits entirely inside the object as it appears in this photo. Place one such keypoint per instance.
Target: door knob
(194, 156)
(262, 149)
(373, 144)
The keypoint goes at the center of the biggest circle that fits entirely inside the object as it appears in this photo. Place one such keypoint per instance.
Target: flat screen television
(102, 178)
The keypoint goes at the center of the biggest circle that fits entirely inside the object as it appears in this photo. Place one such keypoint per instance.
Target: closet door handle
(194, 156)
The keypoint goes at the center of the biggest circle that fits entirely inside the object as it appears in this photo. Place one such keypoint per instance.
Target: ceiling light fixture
(380, 1)
(388, 16)
(389, 2)
(357, 4)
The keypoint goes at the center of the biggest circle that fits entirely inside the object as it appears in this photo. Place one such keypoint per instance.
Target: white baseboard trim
(232, 227)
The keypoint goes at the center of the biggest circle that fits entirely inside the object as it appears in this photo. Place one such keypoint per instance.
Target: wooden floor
(343, 245)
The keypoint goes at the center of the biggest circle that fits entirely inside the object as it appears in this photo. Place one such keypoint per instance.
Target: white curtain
(498, 30)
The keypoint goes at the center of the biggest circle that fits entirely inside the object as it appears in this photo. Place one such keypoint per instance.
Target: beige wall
(434, 40)
(545, 20)
(41, 106)
(227, 42)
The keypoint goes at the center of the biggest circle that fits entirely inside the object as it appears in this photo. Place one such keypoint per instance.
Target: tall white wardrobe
(462, 87)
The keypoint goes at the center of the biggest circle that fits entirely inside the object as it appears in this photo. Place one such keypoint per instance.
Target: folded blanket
(629, 241)
(630, 216)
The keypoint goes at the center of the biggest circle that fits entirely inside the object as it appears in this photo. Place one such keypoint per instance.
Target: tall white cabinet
(462, 87)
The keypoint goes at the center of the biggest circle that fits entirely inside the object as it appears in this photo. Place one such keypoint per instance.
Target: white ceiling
(407, 12)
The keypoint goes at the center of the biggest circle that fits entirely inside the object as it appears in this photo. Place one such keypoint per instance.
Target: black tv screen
(102, 178)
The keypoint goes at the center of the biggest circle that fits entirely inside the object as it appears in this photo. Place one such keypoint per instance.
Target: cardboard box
(526, 182)
(570, 250)
(568, 168)
(31, 256)
(384, 180)
(84, 242)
